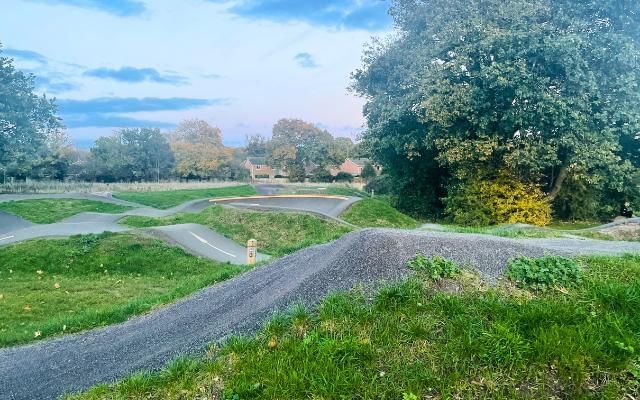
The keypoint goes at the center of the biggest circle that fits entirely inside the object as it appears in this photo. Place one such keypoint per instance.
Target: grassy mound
(50, 287)
(416, 341)
(48, 211)
(172, 198)
(277, 233)
(373, 213)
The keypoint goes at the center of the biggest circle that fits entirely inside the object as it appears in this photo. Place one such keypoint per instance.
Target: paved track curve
(364, 258)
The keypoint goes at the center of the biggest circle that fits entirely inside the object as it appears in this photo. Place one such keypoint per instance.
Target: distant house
(354, 166)
(258, 168)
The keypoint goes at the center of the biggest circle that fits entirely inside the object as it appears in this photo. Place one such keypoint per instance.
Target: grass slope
(172, 198)
(277, 233)
(47, 211)
(49, 287)
(375, 213)
(413, 341)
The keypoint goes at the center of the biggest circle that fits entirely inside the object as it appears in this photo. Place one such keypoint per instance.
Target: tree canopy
(198, 149)
(544, 92)
(29, 128)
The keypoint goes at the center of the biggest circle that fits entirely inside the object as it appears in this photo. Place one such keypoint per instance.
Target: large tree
(198, 149)
(544, 91)
(295, 143)
(133, 154)
(28, 123)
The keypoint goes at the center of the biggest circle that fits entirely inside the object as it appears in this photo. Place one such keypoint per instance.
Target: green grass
(413, 341)
(48, 211)
(172, 198)
(510, 232)
(62, 286)
(573, 225)
(376, 213)
(277, 233)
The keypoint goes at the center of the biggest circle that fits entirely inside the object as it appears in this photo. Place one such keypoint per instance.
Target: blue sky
(238, 64)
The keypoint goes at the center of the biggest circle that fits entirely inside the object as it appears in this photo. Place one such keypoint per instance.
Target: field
(420, 340)
(171, 198)
(51, 287)
(376, 213)
(277, 233)
(47, 211)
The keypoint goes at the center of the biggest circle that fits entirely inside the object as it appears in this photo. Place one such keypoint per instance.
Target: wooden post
(252, 251)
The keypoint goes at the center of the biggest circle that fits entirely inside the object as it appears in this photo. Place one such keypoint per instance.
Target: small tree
(368, 172)
(344, 177)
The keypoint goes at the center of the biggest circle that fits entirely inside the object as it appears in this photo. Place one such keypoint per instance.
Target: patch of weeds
(435, 268)
(541, 274)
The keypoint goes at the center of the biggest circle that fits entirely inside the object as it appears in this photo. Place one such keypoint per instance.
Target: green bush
(435, 267)
(481, 202)
(344, 177)
(321, 175)
(544, 272)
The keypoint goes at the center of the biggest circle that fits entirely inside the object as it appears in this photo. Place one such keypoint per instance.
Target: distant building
(354, 166)
(258, 168)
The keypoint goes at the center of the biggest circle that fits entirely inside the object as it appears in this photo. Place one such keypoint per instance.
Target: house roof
(257, 160)
(360, 161)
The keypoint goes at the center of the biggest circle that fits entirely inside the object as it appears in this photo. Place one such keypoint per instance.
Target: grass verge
(414, 341)
(277, 233)
(50, 287)
(171, 198)
(48, 211)
(374, 213)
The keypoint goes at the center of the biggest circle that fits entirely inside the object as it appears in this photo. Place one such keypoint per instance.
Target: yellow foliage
(503, 200)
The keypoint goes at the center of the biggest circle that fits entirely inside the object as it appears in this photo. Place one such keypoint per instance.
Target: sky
(238, 64)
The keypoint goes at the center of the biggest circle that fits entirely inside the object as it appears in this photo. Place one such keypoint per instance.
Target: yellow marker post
(252, 251)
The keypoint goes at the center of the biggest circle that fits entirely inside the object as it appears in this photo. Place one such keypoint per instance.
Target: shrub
(480, 202)
(435, 267)
(344, 177)
(382, 184)
(368, 172)
(321, 175)
(544, 272)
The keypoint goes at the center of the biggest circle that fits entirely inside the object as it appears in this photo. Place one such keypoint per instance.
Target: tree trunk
(557, 185)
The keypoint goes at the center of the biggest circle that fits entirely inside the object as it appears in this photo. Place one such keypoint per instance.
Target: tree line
(499, 111)
(34, 145)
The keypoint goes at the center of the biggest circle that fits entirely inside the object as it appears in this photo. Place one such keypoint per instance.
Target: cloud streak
(120, 8)
(135, 75)
(112, 111)
(25, 55)
(305, 60)
(371, 15)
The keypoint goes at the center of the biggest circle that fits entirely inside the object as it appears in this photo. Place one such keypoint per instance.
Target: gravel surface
(365, 258)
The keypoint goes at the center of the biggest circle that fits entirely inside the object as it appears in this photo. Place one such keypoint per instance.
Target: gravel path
(366, 258)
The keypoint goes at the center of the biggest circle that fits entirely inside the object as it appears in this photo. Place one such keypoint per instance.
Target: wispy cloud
(25, 55)
(54, 85)
(133, 75)
(132, 104)
(120, 8)
(113, 111)
(369, 15)
(111, 121)
(305, 60)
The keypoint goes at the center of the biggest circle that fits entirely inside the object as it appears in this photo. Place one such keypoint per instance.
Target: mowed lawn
(414, 341)
(51, 287)
(277, 233)
(374, 213)
(172, 198)
(47, 211)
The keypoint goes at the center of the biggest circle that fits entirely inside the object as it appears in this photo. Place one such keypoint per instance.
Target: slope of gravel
(368, 257)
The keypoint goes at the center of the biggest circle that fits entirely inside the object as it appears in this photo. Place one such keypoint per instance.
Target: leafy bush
(321, 175)
(382, 184)
(344, 177)
(435, 267)
(480, 202)
(544, 272)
